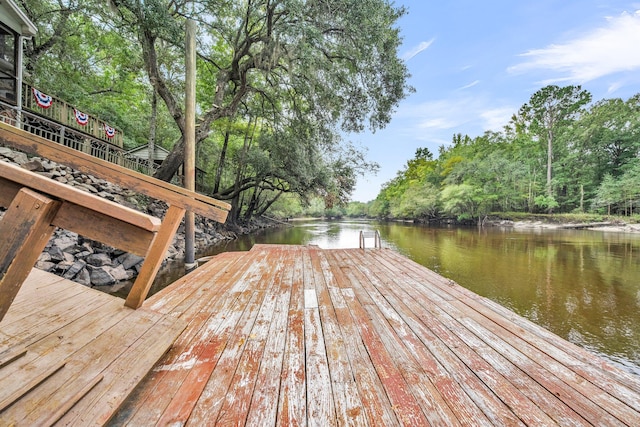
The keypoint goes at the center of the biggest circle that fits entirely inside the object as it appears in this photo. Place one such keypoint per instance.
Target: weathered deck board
(212, 316)
(588, 387)
(85, 352)
(505, 383)
(292, 335)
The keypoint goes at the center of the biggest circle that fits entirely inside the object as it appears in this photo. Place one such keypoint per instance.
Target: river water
(582, 285)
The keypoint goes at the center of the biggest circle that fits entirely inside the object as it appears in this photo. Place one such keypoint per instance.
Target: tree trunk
(172, 163)
(251, 206)
(549, 161)
(152, 131)
(268, 204)
(223, 155)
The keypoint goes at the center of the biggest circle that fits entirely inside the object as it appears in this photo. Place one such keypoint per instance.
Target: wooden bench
(36, 204)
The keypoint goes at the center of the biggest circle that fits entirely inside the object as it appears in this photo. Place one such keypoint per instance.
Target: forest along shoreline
(94, 264)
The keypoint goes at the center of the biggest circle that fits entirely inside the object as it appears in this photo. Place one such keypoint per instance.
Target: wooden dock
(291, 335)
(71, 354)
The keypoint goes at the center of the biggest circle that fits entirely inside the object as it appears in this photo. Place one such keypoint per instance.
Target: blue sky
(474, 64)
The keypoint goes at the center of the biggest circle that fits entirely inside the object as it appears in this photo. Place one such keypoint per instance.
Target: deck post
(154, 257)
(190, 141)
(25, 230)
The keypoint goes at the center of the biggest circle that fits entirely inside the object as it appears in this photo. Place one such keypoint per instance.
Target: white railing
(375, 235)
(65, 114)
(71, 138)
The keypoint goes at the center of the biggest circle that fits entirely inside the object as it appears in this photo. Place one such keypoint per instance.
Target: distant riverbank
(522, 221)
(565, 221)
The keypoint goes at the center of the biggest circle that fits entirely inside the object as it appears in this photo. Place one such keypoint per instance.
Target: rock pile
(89, 262)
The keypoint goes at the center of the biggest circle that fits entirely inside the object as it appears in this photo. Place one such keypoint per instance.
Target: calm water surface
(581, 285)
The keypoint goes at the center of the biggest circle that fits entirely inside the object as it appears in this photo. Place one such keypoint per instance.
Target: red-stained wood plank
(320, 405)
(205, 353)
(371, 332)
(175, 385)
(212, 398)
(346, 397)
(188, 290)
(292, 404)
(444, 400)
(429, 375)
(503, 378)
(376, 405)
(573, 382)
(263, 408)
(455, 327)
(292, 335)
(598, 369)
(238, 399)
(223, 379)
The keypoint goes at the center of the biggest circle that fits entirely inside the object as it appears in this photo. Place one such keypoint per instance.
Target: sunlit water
(581, 285)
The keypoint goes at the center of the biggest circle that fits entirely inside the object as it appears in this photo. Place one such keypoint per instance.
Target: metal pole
(190, 141)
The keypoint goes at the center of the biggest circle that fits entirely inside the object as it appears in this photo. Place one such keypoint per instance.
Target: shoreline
(610, 227)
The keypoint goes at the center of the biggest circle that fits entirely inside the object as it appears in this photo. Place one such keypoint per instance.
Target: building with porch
(34, 110)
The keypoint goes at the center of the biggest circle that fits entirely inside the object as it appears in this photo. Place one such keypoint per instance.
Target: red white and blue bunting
(81, 117)
(42, 100)
(109, 131)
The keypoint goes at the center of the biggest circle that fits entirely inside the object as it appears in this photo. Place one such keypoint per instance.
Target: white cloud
(604, 51)
(472, 84)
(417, 49)
(437, 123)
(497, 118)
(438, 120)
(614, 87)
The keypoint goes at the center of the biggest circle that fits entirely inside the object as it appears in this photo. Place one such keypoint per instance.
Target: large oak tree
(323, 62)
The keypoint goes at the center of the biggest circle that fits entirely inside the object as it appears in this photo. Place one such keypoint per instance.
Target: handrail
(57, 132)
(178, 199)
(65, 114)
(375, 235)
(114, 173)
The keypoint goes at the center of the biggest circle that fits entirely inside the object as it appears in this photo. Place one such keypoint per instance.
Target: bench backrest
(116, 174)
(153, 246)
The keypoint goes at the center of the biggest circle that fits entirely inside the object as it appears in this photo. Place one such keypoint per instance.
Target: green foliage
(287, 206)
(277, 84)
(417, 202)
(622, 195)
(357, 209)
(594, 152)
(546, 202)
(548, 116)
(458, 201)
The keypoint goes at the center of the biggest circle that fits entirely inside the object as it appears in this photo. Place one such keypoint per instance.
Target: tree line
(559, 153)
(279, 82)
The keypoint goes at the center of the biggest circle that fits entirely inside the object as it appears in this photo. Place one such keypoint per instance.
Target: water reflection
(581, 285)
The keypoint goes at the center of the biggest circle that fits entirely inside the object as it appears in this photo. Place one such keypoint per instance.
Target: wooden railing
(30, 222)
(71, 138)
(61, 112)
